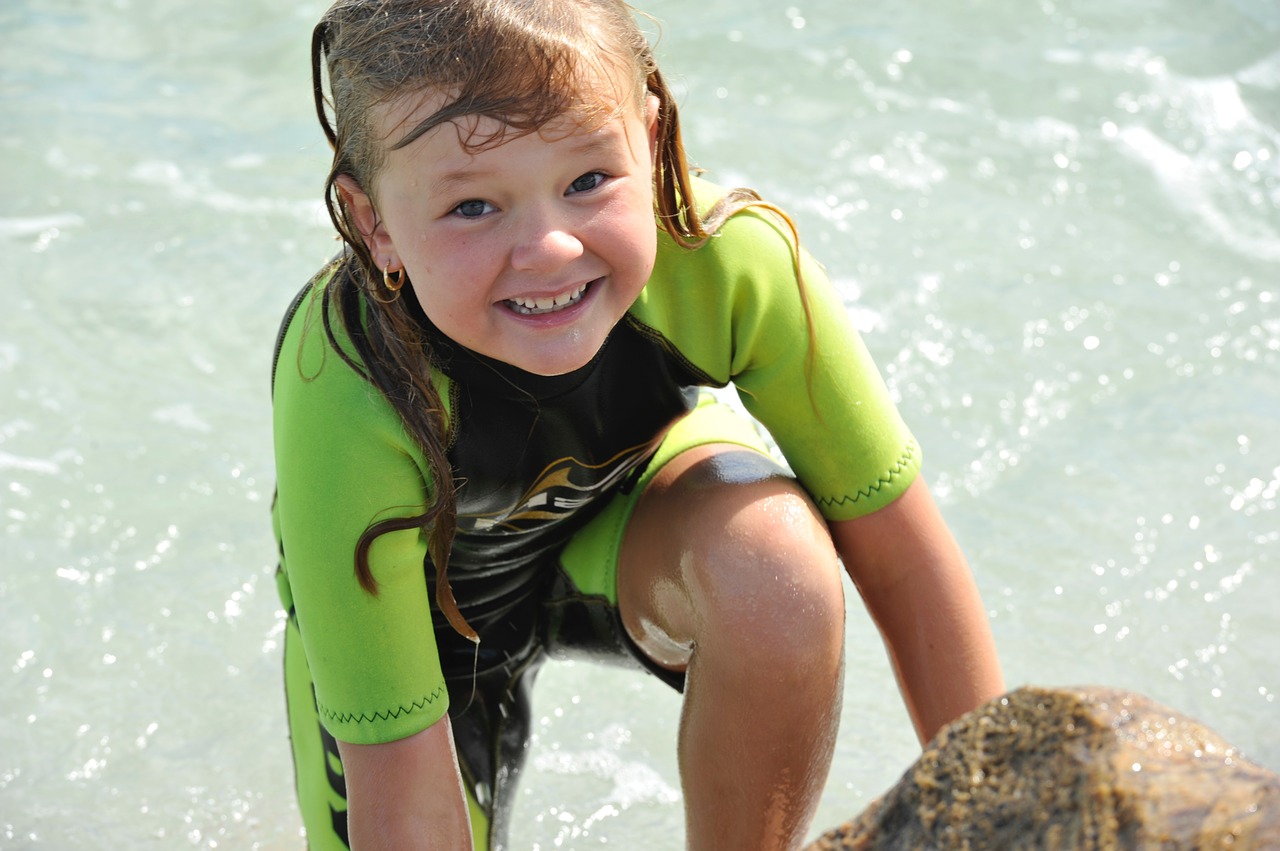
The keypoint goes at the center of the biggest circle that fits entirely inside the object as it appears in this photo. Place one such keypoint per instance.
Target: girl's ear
(652, 106)
(367, 221)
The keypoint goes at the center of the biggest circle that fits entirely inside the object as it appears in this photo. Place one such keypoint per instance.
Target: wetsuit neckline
(455, 360)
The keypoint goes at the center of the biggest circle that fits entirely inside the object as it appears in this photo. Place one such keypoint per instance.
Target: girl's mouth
(537, 306)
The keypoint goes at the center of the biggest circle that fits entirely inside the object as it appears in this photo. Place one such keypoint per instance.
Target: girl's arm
(917, 586)
(406, 794)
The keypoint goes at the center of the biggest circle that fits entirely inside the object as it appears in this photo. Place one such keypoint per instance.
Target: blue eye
(586, 182)
(473, 208)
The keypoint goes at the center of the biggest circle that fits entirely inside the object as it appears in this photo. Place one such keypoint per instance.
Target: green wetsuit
(540, 458)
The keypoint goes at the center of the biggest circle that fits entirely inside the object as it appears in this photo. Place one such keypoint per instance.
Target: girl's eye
(586, 182)
(473, 208)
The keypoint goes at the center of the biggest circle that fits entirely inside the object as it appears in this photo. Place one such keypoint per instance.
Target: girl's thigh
(714, 535)
(590, 560)
(321, 788)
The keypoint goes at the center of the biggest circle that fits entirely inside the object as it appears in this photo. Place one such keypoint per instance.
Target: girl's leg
(322, 790)
(728, 572)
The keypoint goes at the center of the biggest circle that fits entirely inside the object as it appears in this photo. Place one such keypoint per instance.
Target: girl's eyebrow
(594, 145)
(601, 140)
(457, 179)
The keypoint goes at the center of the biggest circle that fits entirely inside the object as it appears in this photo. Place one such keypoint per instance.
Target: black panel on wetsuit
(533, 455)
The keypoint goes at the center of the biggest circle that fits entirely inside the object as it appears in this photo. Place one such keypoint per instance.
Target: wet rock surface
(1086, 768)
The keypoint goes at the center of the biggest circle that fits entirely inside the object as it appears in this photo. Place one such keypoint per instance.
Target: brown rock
(1086, 768)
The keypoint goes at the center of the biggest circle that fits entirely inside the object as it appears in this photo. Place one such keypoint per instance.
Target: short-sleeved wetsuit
(538, 459)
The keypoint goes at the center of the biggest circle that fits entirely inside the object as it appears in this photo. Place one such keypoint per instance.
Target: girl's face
(528, 252)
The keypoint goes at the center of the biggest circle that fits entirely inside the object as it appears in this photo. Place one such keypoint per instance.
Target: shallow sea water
(1058, 225)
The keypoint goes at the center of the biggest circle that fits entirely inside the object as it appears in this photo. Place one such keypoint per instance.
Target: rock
(1086, 768)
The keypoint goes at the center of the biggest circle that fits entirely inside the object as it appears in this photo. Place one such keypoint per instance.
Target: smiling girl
(492, 445)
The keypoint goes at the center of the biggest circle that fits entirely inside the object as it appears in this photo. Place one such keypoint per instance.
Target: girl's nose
(545, 245)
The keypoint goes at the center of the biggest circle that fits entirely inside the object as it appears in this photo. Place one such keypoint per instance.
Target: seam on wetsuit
(361, 717)
(905, 461)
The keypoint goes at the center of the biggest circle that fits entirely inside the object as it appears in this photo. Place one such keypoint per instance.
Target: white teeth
(546, 305)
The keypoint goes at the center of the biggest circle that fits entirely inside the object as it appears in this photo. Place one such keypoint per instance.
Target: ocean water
(1057, 224)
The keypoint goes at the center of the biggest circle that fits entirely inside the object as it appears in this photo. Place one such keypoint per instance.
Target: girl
(491, 446)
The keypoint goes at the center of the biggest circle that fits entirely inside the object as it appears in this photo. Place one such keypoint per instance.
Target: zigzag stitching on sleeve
(347, 717)
(894, 472)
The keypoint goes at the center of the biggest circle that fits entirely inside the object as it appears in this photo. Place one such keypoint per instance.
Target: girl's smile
(539, 306)
(528, 251)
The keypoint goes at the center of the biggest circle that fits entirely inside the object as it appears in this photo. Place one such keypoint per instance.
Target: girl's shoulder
(754, 255)
(755, 219)
(728, 303)
(311, 333)
(295, 322)
(756, 244)
(316, 364)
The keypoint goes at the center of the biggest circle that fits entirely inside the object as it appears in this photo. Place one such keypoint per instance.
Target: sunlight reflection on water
(1056, 226)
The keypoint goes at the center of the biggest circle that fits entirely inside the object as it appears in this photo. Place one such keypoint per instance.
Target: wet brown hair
(523, 63)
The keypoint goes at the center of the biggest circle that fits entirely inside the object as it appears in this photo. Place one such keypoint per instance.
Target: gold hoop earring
(392, 284)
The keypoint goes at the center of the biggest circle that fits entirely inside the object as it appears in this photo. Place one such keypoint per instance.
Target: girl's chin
(551, 366)
(538, 354)
(558, 351)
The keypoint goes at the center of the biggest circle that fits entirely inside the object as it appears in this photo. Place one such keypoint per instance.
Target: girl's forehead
(596, 97)
(469, 136)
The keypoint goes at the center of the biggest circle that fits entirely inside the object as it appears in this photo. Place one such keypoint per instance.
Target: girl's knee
(770, 583)
(729, 552)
